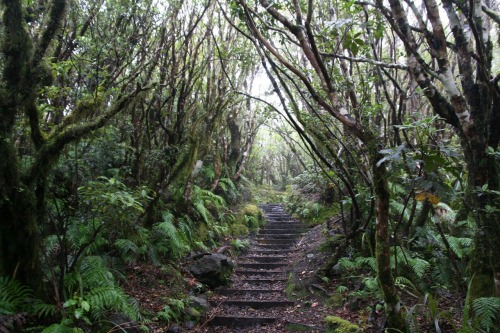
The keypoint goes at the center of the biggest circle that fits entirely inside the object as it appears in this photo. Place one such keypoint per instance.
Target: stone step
(283, 225)
(264, 280)
(270, 241)
(262, 265)
(278, 236)
(270, 252)
(274, 246)
(241, 322)
(278, 231)
(254, 304)
(265, 259)
(258, 272)
(239, 292)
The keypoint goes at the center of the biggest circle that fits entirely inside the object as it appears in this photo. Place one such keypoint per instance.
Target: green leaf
(69, 303)
(85, 305)
(79, 313)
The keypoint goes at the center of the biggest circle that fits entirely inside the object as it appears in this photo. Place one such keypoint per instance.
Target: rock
(214, 270)
(337, 269)
(198, 306)
(174, 329)
(339, 325)
(199, 303)
(189, 324)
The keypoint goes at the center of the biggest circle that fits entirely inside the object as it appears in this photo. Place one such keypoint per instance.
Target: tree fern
(487, 312)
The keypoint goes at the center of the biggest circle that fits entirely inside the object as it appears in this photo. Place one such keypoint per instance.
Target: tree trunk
(482, 181)
(395, 320)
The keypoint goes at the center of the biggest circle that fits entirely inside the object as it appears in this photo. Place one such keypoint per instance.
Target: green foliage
(358, 263)
(95, 292)
(410, 261)
(240, 245)
(169, 239)
(486, 313)
(14, 297)
(172, 312)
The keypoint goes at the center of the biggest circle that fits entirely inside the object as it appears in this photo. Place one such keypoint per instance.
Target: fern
(113, 298)
(486, 311)
(397, 208)
(173, 311)
(416, 265)
(239, 244)
(206, 195)
(13, 296)
(403, 282)
(202, 210)
(94, 283)
(176, 244)
(128, 249)
(461, 246)
(359, 263)
(44, 310)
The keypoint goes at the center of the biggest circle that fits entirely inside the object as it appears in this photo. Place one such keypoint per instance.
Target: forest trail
(256, 301)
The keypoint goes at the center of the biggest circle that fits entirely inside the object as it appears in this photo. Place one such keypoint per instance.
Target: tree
(32, 46)
(454, 69)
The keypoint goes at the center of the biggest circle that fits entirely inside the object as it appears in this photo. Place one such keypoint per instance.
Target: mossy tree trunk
(23, 186)
(395, 319)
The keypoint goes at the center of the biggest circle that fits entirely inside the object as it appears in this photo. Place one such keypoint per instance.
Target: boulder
(214, 270)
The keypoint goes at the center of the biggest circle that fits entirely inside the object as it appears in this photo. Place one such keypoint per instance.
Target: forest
(138, 135)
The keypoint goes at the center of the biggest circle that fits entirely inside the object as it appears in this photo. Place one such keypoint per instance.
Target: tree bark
(395, 320)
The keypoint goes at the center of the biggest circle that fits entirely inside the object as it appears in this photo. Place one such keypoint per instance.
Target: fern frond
(177, 245)
(397, 208)
(487, 311)
(417, 265)
(13, 295)
(402, 281)
(461, 246)
(127, 248)
(202, 210)
(94, 272)
(45, 310)
(111, 298)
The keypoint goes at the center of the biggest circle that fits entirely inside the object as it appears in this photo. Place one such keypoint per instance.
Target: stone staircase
(256, 298)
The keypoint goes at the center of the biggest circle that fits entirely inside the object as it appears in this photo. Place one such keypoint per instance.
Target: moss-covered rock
(252, 210)
(239, 229)
(338, 325)
(251, 216)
